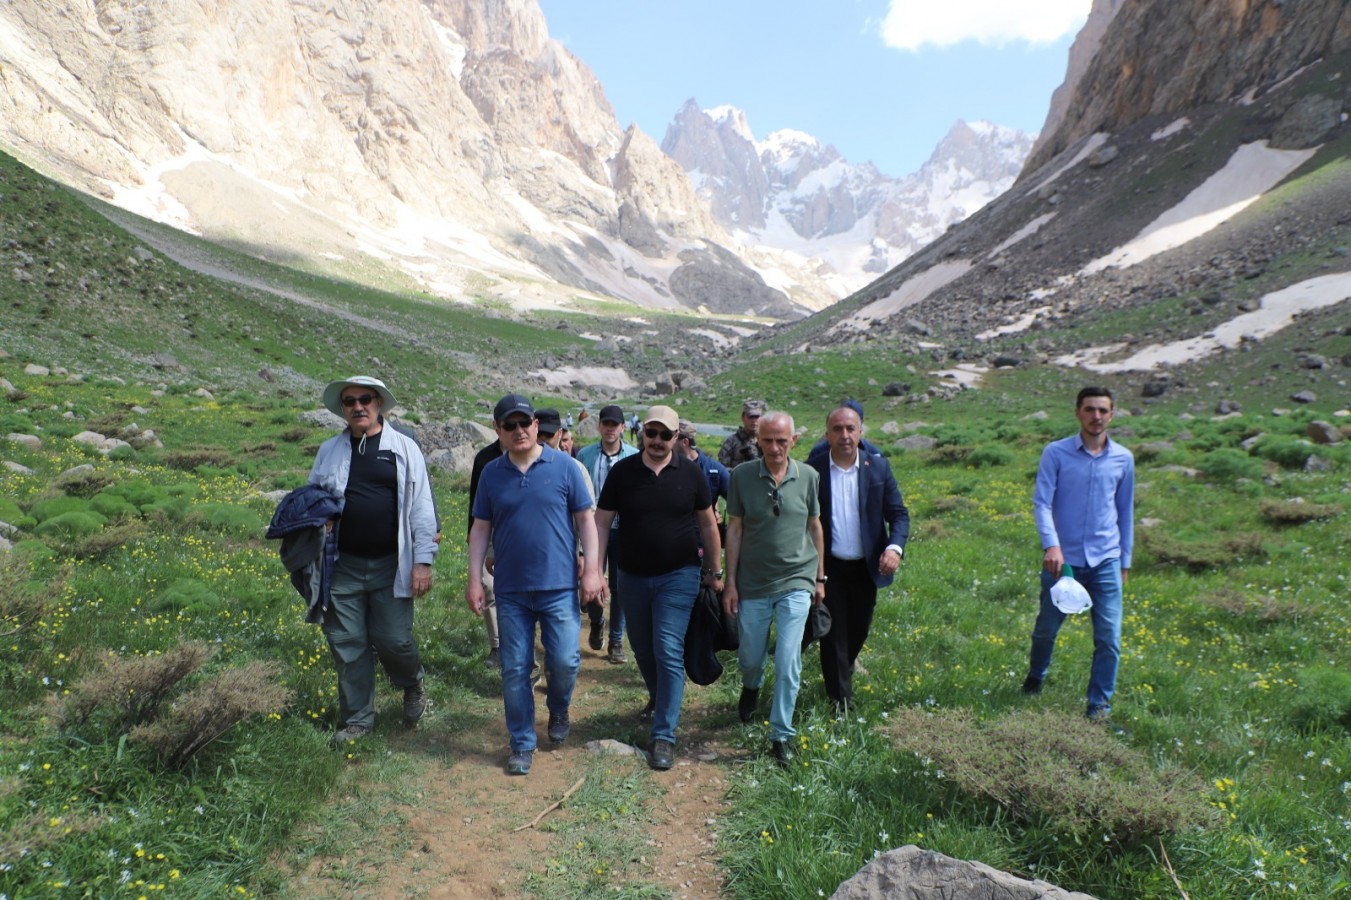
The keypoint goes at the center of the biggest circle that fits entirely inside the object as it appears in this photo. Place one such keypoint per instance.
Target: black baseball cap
(510, 404)
(549, 421)
(612, 413)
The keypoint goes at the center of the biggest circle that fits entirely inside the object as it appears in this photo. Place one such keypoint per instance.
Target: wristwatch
(718, 574)
(822, 579)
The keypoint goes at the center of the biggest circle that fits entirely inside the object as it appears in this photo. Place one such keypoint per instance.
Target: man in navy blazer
(865, 525)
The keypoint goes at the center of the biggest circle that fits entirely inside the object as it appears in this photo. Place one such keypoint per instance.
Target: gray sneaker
(349, 733)
(493, 660)
(416, 704)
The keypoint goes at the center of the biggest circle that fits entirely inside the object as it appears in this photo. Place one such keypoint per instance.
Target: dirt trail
(456, 838)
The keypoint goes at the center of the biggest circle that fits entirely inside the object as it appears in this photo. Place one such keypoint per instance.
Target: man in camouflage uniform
(741, 447)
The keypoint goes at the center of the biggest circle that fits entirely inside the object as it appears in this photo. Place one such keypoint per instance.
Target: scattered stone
(1228, 407)
(1247, 444)
(31, 441)
(1323, 433)
(144, 254)
(324, 418)
(915, 326)
(890, 428)
(1102, 156)
(1155, 387)
(266, 374)
(1154, 448)
(1316, 463)
(916, 442)
(165, 361)
(8, 530)
(1304, 397)
(76, 472)
(611, 747)
(203, 393)
(1150, 522)
(1313, 361)
(17, 468)
(1185, 471)
(1004, 361)
(5, 545)
(896, 389)
(1040, 415)
(917, 874)
(35, 369)
(7, 387)
(274, 496)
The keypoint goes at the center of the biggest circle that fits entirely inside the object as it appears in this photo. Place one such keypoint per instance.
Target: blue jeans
(1103, 583)
(658, 608)
(560, 622)
(789, 614)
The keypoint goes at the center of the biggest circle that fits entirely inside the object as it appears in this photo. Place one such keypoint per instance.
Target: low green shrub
(186, 595)
(228, 517)
(52, 507)
(72, 525)
(211, 709)
(188, 460)
(1230, 464)
(1323, 700)
(112, 506)
(1286, 451)
(112, 537)
(1297, 512)
(988, 456)
(1202, 554)
(1056, 770)
(140, 494)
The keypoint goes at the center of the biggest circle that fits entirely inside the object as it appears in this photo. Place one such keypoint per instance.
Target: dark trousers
(851, 598)
(596, 611)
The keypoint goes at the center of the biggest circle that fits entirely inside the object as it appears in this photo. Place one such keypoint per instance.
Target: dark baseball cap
(611, 413)
(511, 404)
(549, 421)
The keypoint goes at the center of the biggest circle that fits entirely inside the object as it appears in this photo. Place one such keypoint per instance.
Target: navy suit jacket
(883, 518)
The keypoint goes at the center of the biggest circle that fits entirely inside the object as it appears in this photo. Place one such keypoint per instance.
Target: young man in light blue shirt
(1083, 505)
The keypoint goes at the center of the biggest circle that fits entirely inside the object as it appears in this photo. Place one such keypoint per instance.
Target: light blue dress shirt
(1084, 504)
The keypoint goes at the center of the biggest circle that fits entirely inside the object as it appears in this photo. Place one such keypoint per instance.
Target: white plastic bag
(1069, 596)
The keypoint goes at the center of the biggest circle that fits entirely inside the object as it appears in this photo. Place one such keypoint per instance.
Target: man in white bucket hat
(386, 546)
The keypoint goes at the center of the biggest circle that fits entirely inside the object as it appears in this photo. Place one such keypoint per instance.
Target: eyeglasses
(776, 500)
(514, 424)
(663, 433)
(364, 400)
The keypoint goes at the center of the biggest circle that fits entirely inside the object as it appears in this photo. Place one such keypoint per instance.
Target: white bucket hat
(1069, 596)
(333, 393)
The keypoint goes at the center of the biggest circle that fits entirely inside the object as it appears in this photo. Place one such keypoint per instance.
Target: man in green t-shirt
(775, 554)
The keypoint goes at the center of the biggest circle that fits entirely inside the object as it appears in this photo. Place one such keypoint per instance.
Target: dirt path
(454, 836)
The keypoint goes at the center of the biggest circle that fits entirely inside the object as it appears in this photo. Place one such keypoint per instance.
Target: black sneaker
(649, 712)
(782, 753)
(1032, 685)
(616, 656)
(558, 727)
(596, 639)
(746, 705)
(416, 704)
(663, 755)
(518, 763)
(493, 660)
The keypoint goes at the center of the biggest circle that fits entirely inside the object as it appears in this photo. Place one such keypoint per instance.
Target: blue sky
(882, 80)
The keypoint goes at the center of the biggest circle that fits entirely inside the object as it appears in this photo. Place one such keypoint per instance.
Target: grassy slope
(1231, 672)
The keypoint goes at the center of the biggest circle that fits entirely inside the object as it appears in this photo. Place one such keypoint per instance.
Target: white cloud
(911, 24)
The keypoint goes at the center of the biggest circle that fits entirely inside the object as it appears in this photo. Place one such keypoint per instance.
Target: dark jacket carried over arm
(308, 548)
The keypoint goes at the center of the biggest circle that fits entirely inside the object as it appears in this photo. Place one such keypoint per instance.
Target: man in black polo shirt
(662, 501)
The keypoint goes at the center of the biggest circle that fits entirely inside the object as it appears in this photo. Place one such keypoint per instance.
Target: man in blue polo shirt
(534, 504)
(1083, 505)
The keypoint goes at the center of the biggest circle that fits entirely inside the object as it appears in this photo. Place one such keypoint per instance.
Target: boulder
(17, 468)
(1304, 397)
(324, 418)
(1323, 433)
(35, 369)
(1227, 407)
(31, 441)
(896, 389)
(917, 442)
(916, 874)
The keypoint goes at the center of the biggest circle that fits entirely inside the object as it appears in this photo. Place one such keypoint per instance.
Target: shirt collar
(853, 466)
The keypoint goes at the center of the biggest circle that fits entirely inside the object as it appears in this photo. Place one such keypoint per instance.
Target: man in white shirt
(865, 525)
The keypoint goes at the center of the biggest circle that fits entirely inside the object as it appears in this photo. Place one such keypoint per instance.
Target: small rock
(916, 442)
(1317, 463)
(17, 468)
(613, 748)
(896, 389)
(1227, 407)
(1304, 397)
(76, 472)
(35, 369)
(31, 441)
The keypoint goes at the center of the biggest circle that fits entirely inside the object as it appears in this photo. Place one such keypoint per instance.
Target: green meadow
(1227, 772)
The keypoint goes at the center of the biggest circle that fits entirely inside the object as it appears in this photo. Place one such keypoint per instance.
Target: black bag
(817, 626)
(709, 631)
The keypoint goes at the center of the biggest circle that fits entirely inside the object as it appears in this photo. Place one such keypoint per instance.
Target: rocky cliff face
(795, 193)
(451, 141)
(1163, 57)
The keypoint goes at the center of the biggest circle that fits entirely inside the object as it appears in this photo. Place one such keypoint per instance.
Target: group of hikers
(631, 534)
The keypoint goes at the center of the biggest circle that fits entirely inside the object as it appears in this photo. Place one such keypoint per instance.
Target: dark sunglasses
(514, 424)
(663, 434)
(364, 400)
(776, 500)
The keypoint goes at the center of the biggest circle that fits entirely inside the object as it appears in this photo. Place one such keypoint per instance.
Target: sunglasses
(514, 424)
(364, 400)
(663, 433)
(776, 501)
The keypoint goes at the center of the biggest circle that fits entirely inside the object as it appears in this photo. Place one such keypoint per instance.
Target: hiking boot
(518, 763)
(1098, 715)
(663, 755)
(1032, 685)
(559, 726)
(782, 753)
(493, 660)
(416, 704)
(616, 656)
(349, 733)
(746, 705)
(596, 639)
(649, 712)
